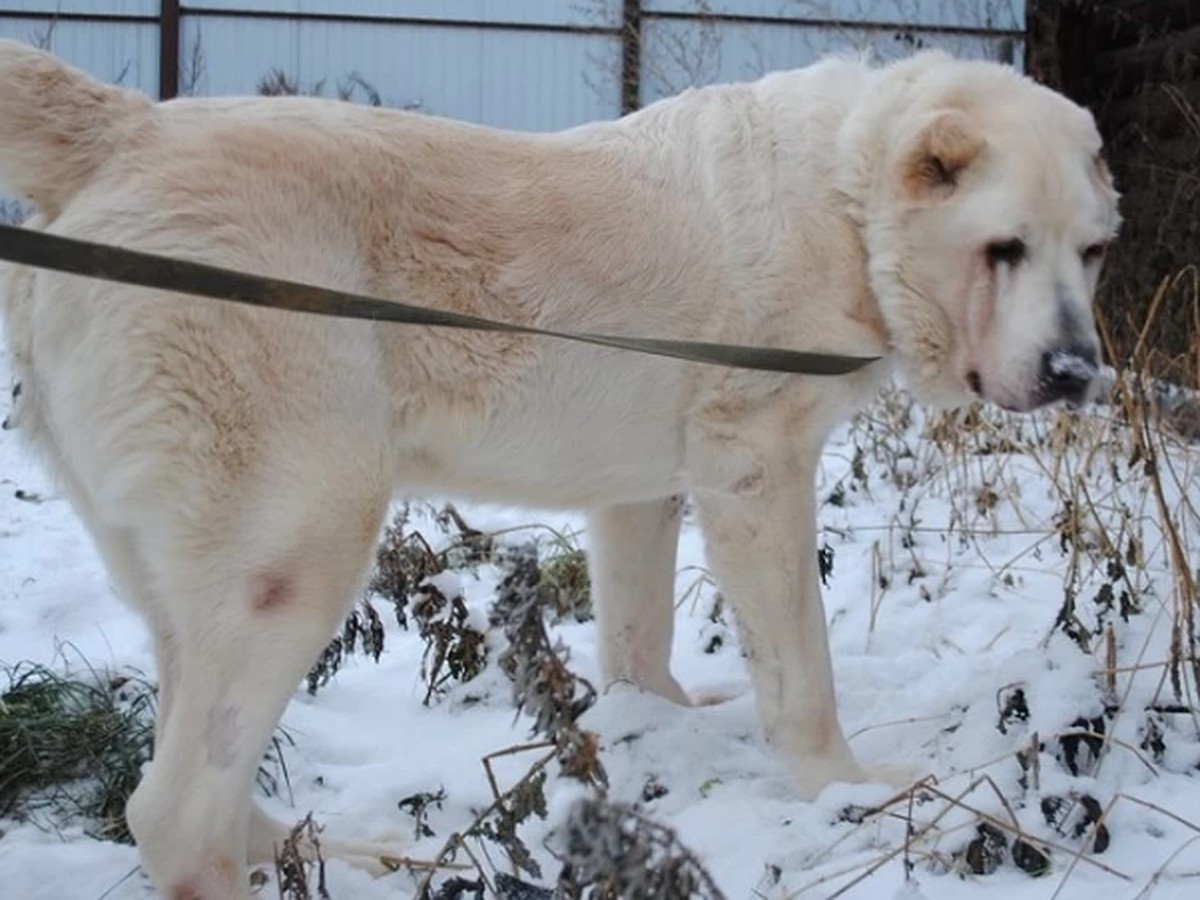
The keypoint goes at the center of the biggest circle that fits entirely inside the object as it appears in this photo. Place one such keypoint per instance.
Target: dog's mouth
(975, 386)
(975, 383)
(1063, 377)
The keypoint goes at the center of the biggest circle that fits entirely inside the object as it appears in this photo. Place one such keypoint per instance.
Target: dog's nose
(1066, 373)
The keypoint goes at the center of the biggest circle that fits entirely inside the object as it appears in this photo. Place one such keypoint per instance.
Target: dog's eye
(1007, 253)
(1093, 253)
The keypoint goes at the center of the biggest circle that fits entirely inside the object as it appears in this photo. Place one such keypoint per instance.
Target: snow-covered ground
(950, 560)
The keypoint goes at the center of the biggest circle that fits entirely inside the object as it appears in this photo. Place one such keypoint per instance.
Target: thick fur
(234, 465)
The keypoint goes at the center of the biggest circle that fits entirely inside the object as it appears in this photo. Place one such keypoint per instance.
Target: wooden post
(168, 50)
(631, 55)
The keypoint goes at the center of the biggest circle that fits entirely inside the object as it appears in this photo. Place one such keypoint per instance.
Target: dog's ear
(939, 153)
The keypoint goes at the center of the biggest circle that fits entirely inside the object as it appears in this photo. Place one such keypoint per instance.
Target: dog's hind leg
(632, 558)
(129, 575)
(250, 617)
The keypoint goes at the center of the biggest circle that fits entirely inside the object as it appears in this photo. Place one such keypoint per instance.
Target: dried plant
(543, 686)
(455, 647)
(353, 87)
(299, 865)
(405, 561)
(362, 632)
(418, 805)
(610, 851)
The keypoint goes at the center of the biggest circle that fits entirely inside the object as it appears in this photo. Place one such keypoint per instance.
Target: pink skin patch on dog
(227, 873)
(275, 592)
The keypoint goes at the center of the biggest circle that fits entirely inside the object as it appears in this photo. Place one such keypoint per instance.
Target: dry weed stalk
(298, 861)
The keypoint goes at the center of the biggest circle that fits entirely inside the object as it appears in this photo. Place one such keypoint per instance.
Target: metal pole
(168, 50)
(631, 55)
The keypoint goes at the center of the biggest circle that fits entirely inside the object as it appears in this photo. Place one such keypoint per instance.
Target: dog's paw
(712, 698)
(811, 775)
(900, 777)
(718, 694)
(663, 686)
(381, 855)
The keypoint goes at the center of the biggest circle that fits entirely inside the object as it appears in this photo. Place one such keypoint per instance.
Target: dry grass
(72, 746)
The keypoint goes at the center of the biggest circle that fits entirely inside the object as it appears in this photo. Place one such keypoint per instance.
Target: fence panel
(682, 52)
(500, 76)
(998, 15)
(529, 64)
(123, 52)
(82, 7)
(532, 12)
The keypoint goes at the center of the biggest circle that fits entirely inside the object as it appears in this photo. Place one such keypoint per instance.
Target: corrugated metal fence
(529, 64)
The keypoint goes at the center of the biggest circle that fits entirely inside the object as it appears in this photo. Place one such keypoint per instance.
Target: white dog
(233, 464)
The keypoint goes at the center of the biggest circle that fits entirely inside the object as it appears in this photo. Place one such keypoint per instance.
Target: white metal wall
(115, 51)
(534, 80)
(678, 53)
(537, 80)
(517, 79)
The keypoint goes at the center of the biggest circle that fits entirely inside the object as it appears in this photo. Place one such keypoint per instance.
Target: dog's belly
(555, 473)
(592, 439)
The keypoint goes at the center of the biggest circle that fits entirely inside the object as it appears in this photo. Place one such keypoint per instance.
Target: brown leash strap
(77, 257)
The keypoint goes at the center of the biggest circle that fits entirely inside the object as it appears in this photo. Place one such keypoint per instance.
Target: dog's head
(986, 209)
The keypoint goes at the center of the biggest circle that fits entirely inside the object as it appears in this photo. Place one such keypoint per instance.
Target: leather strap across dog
(78, 257)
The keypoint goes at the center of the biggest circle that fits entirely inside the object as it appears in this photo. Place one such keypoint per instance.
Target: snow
(948, 575)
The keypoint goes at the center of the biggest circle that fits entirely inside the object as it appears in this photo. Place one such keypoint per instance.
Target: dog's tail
(58, 125)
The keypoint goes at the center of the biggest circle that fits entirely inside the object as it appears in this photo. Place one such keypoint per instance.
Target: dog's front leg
(755, 499)
(632, 561)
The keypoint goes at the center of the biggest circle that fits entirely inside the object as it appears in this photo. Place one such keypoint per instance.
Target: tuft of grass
(72, 748)
(278, 83)
(361, 631)
(353, 87)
